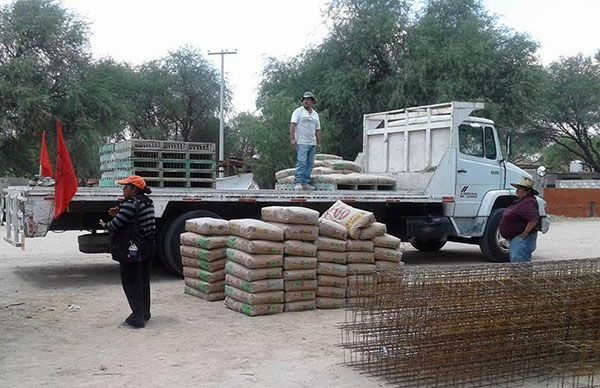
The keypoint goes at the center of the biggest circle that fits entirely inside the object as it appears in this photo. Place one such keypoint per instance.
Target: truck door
(478, 168)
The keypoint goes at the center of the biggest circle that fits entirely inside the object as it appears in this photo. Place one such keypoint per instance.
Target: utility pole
(222, 53)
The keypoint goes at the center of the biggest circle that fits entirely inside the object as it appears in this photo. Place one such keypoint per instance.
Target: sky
(136, 31)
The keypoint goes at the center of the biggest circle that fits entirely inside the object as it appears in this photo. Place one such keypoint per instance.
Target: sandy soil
(60, 315)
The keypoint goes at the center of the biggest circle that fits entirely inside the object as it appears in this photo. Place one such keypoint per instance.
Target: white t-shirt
(308, 123)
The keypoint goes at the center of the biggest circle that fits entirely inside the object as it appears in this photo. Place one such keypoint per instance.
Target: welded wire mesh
(476, 325)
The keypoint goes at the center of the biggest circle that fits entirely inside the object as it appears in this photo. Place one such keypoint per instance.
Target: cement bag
(318, 163)
(298, 232)
(294, 296)
(300, 285)
(285, 173)
(253, 310)
(353, 219)
(361, 280)
(324, 171)
(255, 246)
(201, 241)
(300, 248)
(251, 298)
(342, 165)
(332, 269)
(346, 179)
(202, 254)
(386, 180)
(290, 215)
(207, 226)
(386, 254)
(210, 266)
(387, 241)
(213, 296)
(299, 262)
(250, 275)
(360, 268)
(331, 257)
(209, 277)
(303, 305)
(330, 244)
(251, 260)
(255, 286)
(360, 257)
(255, 230)
(331, 292)
(330, 303)
(388, 266)
(327, 157)
(372, 231)
(331, 281)
(332, 229)
(288, 179)
(300, 274)
(205, 287)
(359, 246)
(366, 179)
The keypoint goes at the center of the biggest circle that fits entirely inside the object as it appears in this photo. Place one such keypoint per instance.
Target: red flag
(45, 164)
(66, 180)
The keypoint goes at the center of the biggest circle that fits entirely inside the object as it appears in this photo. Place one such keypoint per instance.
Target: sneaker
(298, 187)
(306, 186)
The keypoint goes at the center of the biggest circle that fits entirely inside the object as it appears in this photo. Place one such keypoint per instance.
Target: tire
(169, 240)
(493, 246)
(428, 246)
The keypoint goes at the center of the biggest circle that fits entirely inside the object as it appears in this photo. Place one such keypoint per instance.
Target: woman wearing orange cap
(133, 245)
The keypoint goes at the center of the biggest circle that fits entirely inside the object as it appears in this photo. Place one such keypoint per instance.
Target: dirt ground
(60, 315)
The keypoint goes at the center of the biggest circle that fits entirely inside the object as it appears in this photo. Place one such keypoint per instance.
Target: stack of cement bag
(333, 169)
(300, 260)
(331, 267)
(203, 257)
(254, 268)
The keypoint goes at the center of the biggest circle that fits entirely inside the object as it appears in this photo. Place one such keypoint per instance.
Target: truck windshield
(477, 141)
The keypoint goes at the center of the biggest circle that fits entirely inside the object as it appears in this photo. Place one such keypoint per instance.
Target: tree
(572, 115)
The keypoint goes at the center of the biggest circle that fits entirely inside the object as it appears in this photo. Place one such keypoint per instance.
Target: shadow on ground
(443, 257)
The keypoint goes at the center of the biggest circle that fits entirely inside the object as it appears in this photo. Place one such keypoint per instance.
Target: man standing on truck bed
(305, 134)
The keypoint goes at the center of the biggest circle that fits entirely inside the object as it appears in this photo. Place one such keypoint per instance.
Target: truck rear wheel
(169, 240)
(493, 246)
(428, 246)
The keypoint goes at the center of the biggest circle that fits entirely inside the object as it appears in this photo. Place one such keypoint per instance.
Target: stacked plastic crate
(161, 163)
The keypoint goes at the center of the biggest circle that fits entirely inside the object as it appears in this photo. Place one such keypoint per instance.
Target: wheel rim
(501, 243)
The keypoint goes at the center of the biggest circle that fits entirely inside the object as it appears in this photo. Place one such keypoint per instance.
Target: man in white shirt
(305, 134)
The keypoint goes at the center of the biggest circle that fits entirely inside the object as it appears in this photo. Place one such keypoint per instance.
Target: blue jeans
(520, 249)
(305, 159)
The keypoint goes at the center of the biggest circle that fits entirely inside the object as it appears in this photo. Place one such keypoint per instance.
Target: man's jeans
(520, 249)
(305, 159)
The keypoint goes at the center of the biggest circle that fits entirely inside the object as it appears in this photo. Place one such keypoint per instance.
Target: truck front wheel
(493, 246)
(169, 240)
(428, 246)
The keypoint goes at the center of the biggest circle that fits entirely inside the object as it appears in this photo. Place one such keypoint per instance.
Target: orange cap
(135, 180)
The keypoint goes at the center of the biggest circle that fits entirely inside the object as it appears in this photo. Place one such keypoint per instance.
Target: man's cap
(308, 95)
(135, 180)
(525, 183)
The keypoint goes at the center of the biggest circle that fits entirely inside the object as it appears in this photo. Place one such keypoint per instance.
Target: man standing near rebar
(305, 134)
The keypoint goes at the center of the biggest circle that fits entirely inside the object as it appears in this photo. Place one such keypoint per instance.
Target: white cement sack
(205, 287)
(213, 296)
(285, 173)
(360, 269)
(331, 257)
(299, 274)
(210, 266)
(324, 171)
(287, 179)
(207, 226)
(387, 241)
(386, 254)
(361, 280)
(255, 246)
(295, 296)
(290, 215)
(332, 229)
(330, 244)
(298, 231)
(253, 310)
(332, 269)
(360, 257)
(330, 303)
(303, 305)
(209, 277)
(331, 292)
(252, 260)
(300, 285)
(300, 248)
(255, 286)
(251, 275)
(202, 254)
(359, 246)
(332, 281)
(251, 229)
(327, 157)
(351, 218)
(388, 266)
(342, 165)
(254, 298)
(372, 231)
(201, 241)
(299, 262)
